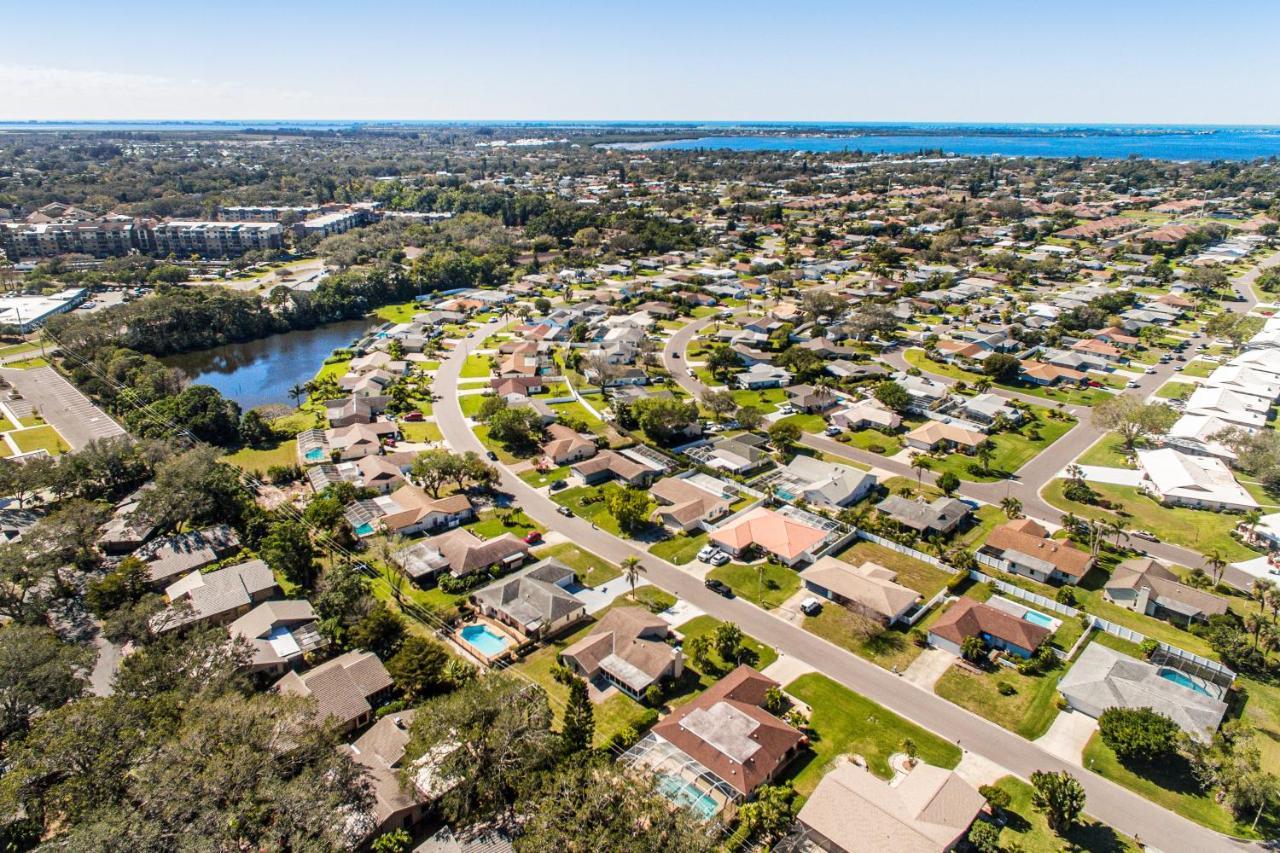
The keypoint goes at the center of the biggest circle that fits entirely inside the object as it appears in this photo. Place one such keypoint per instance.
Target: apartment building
(107, 237)
(216, 239)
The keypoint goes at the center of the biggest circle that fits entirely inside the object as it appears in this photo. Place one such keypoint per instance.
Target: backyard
(920, 576)
(592, 570)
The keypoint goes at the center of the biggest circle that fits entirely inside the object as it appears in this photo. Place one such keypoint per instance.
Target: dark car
(558, 485)
(718, 587)
(493, 457)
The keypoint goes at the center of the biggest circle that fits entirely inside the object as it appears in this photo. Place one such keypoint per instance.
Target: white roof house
(823, 483)
(1192, 481)
(1198, 434)
(1244, 380)
(1229, 406)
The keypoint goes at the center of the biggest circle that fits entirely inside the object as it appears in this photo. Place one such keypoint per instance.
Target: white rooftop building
(1202, 482)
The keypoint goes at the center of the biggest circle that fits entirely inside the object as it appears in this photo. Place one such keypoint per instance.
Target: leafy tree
(254, 429)
(629, 507)
(892, 395)
(722, 362)
(973, 648)
(579, 719)
(767, 817)
(418, 668)
(1059, 796)
(287, 549)
(38, 671)
(380, 631)
(125, 584)
(719, 403)
(727, 640)
(491, 736)
(998, 798)
(1139, 734)
(194, 486)
(948, 482)
(750, 418)
(519, 429)
(395, 841)
(783, 434)
(341, 599)
(1002, 366)
(985, 837)
(665, 420)
(434, 468)
(805, 364)
(1133, 419)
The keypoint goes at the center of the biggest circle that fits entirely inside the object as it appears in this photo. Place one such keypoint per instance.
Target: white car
(707, 552)
(719, 558)
(1150, 370)
(833, 430)
(810, 606)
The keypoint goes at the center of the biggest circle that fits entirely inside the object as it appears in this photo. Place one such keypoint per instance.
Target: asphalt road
(1107, 801)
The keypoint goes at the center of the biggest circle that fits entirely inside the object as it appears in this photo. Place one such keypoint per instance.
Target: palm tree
(920, 463)
(1115, 527)
(632, 569)
(1071, 521)
(1012, 507)
(1217, 565)
(296, 393)
(985, 451)
(1251, 518)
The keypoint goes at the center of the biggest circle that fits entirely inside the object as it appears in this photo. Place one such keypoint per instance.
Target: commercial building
(28, 312)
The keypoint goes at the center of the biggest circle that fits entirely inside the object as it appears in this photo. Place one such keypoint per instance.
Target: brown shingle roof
(969, 618)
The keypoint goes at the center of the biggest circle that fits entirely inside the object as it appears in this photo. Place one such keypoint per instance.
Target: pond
(256, 373)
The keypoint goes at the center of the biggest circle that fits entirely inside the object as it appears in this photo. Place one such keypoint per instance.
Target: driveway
(1068, 735)
(928, 668)
(597, 598)
(1113, 476)
(1109, 802)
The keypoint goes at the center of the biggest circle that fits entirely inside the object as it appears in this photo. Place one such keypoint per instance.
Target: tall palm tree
(296, 393)
(1251, 518)
(920, 463)
(985, 452)
(1216, 563)
(1012, 507)
(1116, 527)
(632, 569)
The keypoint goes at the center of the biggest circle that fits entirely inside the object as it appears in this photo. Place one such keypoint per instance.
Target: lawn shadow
(1173, 773)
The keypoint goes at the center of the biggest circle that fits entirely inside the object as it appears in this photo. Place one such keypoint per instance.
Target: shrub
(1006, 689)
(1138, 734)
(653, 696)
(956, 581)
(1066, 595)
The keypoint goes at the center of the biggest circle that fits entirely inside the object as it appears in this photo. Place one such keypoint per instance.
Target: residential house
(536, 602)
(762, 375)
(1103, 678)
(1202, 482)
(939, 435)
(866, 414)
(929, 810)
(1023, 547)
(1049, 375)
(940, 517)
(180, 553)
(216, 598)
(1148, 586)
(609, 465)
(127, 529)
(380, 752)
(686, 506)
(359, 440)
(565, 445)
(408, 510)
(786, 536)
(812, 399)
(740, 454)
(346, 689)
(986, 409)
(821, 483)
(627, 649)
(460, 552)
(870, 589)
(346, 411)
(726, 730)
(279, 633)
(997, 628)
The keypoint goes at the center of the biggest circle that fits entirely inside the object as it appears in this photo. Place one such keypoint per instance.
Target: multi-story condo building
(264, 213)
(338, 222)
(216, 239)
(100, 238)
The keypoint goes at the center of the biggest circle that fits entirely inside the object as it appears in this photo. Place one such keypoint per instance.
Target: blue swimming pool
(1035, 617)
(1183, 679)
(687, 795)
(485, 640)
(365, 529)
(315, 454)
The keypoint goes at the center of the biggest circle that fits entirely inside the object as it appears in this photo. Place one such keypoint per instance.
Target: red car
(415, 415)
(533, 537)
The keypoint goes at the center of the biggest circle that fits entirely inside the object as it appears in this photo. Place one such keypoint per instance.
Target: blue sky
(1123, 61)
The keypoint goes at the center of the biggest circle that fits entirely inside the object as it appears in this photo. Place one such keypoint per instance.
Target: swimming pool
(315, 454)
(365, 529)
(683, 794)
(1035, 617)
(484, 640)
(1183, 679)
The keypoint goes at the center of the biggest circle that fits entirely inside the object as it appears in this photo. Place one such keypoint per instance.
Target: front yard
(590, 502)
(844, 723)
(1200, 530)
(885, 647)
(764, 584)
(1028, 829)
(680, 548)
(1029, 710)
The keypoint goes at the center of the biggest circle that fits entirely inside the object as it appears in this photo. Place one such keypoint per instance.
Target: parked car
(810, 606)
(718, 587)
(1145, 534)
(493, 457)
(833, 430)
(557, 485)
(675, 354)
(533, 537)
(415, 415)
(565, 511)
(719, 558)
(706, 552)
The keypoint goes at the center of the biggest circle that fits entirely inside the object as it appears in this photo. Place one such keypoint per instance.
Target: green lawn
(922, 577)
(401, 313)
(1173, 390)
(17, 349)
(766, 400)
(1169, 785)
(756, 653)
(40, 438)
(1107, 452)
(613, 715)
(1028, 829)
(1012, 451)
(1029, 711)
(1199, 368)
(1198, 529)
(584, 502)
(764, 584)
(28, 363)
(471, 404)
(875, 441)
(492, 523)
(889, 648)
(504, 455)
(475, 367)
(1079, 396)
(679, 549)
(259, 459)
(421, 431)
(537, 478)
(592, 570)
(578, 412)
(843, 723)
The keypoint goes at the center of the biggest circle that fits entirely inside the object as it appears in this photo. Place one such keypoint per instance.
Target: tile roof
(771, 531)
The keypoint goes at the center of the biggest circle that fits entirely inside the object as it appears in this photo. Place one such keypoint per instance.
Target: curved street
(1107, 801)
